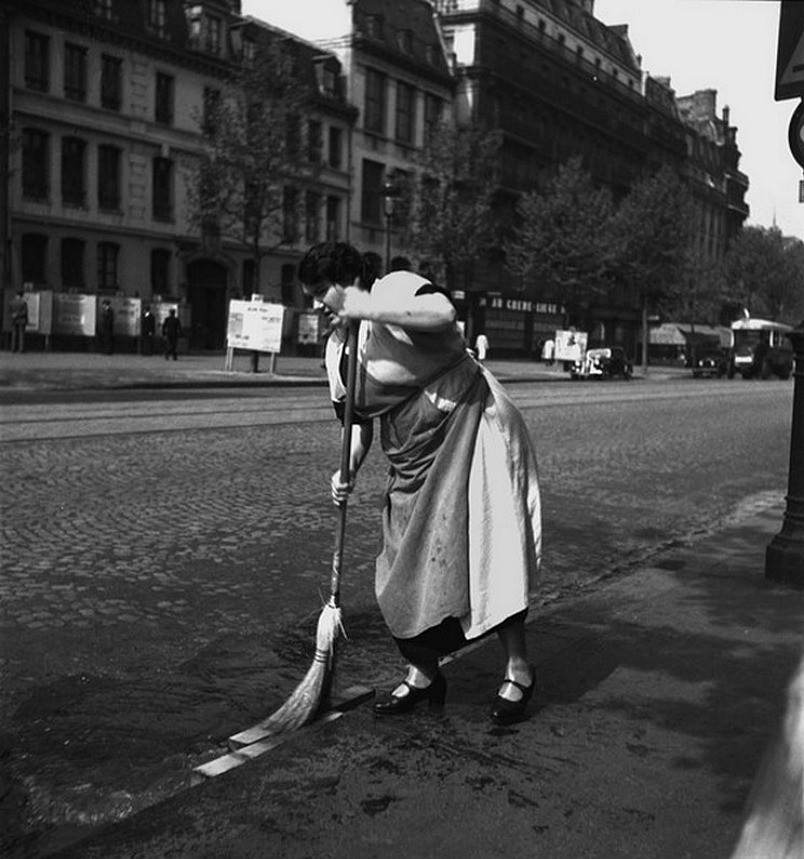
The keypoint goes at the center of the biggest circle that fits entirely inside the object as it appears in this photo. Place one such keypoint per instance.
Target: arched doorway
(206, 293)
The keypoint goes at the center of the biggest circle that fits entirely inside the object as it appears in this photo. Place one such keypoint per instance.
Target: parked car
(709, 362)
(605, 363)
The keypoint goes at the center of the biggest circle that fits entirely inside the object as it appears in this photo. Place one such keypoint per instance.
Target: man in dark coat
(106, 327)
(171, 331)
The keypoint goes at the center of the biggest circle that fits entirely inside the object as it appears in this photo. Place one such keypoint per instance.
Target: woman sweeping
(461, 522)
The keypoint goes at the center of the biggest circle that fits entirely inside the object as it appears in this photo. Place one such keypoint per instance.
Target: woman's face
(328, 299)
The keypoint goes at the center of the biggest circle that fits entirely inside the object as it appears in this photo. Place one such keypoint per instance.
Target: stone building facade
(106, 100)
(557, 82)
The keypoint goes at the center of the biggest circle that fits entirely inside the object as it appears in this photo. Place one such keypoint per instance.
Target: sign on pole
(790, 51)
(795, 134)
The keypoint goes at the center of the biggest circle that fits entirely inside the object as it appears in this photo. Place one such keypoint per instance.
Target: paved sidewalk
(92, 370)
(658, 692)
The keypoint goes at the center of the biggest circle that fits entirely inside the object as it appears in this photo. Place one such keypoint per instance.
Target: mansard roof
(405, 29)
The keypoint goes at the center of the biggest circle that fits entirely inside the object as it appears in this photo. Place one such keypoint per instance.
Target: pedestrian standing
(148, 331)
(19, 321)
(461, 519)
(106, 327)
(548, 351)
(481, 346)
(171, 331)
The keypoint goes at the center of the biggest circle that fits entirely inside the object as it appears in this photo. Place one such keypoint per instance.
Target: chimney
(726, 115)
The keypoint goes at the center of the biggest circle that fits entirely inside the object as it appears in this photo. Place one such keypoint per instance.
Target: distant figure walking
(106, 327)
(171, 331)
(19, 322)
(481, 346)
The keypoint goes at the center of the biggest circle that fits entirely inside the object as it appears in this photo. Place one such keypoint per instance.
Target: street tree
(765, 274)
(254, 151)
(447, 201)
(561, 242)
(653, 229)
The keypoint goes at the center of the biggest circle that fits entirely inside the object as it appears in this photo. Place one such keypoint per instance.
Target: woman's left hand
(340, 490)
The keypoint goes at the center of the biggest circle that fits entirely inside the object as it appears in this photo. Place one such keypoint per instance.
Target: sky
(726, 45)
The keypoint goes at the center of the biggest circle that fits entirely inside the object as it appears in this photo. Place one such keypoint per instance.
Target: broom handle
(346, 456)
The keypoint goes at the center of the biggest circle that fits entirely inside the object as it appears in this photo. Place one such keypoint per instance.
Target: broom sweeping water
(306, 700)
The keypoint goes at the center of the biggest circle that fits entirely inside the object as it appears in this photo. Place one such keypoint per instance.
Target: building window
(312, 216)
(290, 215)
(75, 72)
(370, 208)
(34, 258)
(157, 17)
(160, 271)
(335, 147)
(73, 186)
(212, 100)
(111, 82)
(374, 113)
(373, 26)
(104, 9)
(404, 41)
(72, 263)
(333, 219)
(287, 281)
(405, 100)
(162, 187)
(108, 178)
(213, 34)
(314, 141)
(37, 61)
(35, 164)
(329, 82)
(163, 104)
(433, 111)
(108, 253)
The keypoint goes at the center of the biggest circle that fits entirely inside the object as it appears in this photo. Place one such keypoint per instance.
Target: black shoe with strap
(506, 712)
(434, 694)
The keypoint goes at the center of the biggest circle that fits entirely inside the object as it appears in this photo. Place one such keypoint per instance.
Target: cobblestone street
(160, 589)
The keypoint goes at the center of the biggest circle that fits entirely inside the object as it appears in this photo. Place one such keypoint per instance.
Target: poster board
(127, 315)
(255, 325)
(74, 314)
(161, 311)
(40, 312)
(570, 345)
(309, 332)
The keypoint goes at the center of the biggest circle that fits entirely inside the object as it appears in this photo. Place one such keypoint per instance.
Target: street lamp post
(784, 557)
(389, 193)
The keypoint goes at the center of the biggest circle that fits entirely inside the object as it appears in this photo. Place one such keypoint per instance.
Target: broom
(309, 695)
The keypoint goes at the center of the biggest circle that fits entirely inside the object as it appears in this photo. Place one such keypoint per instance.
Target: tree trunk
(255, 355)
(645, 335)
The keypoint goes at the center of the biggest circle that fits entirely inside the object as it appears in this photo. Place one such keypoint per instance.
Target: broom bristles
(305, 700)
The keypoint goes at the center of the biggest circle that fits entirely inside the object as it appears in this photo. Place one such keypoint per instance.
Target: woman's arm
(362, 435)
(426, 312)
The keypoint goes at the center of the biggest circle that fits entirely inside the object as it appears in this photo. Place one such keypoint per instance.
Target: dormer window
(404, 40)
(249, 52)
(373, 26)
(214, 27)
(157, 17)
(206, 31)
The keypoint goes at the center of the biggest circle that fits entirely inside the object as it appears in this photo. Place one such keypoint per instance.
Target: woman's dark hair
(336, 262)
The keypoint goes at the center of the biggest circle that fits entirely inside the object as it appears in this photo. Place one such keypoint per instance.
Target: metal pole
(387, 241)
(784, 557)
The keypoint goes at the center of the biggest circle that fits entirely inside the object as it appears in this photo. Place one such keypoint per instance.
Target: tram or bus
(760, 349)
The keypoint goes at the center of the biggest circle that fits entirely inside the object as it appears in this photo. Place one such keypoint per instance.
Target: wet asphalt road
(163, 560)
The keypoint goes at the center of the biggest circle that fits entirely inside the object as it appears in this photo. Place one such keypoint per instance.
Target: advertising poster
(74, 314)
(161, 311)
(570, 345)
(309, 328)
(255, 325)
(127, 315)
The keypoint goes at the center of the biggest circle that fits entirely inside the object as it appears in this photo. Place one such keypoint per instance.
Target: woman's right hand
(340, 490)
